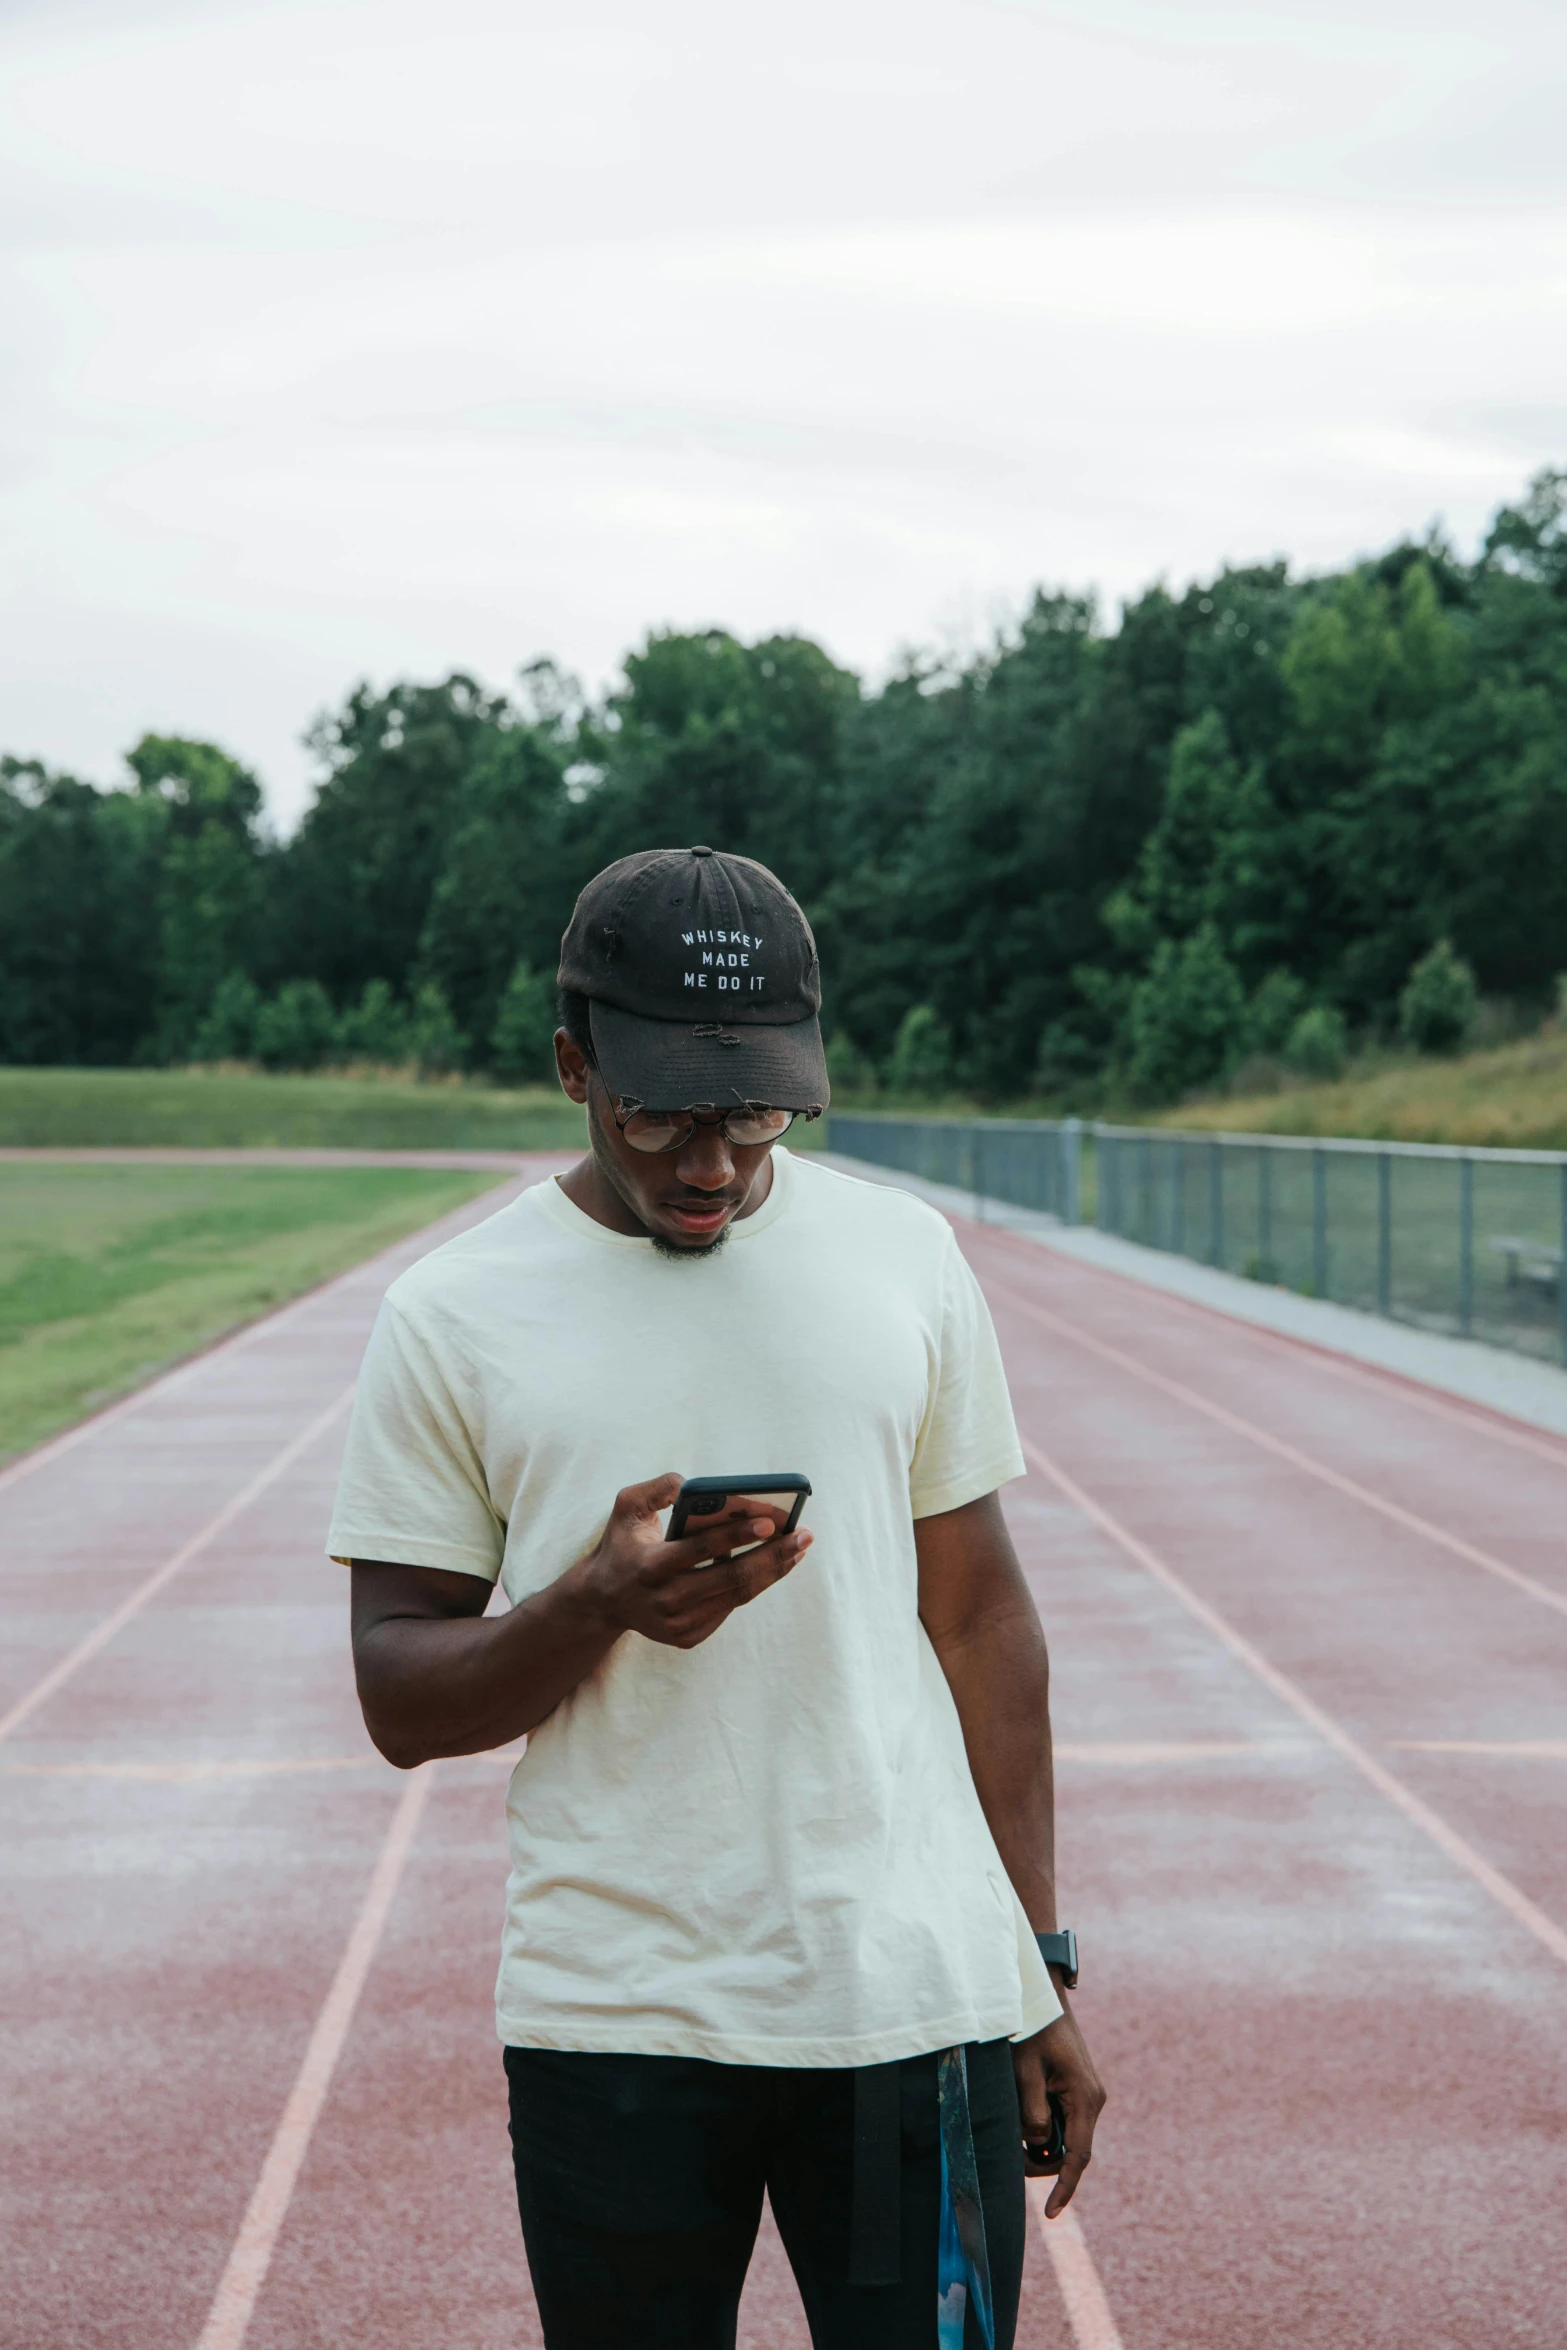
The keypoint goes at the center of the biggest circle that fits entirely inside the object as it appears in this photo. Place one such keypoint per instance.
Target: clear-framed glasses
(747, 1126)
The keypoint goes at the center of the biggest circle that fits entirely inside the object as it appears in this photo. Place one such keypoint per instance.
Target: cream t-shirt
(766, 1850)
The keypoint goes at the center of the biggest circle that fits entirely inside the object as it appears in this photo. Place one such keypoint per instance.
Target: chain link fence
(1467, 1242)
(1470, 1242)
(1027, 1162)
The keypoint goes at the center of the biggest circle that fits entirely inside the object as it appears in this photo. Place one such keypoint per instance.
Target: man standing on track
(782, 1839)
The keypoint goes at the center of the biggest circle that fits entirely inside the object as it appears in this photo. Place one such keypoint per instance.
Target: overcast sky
(365, 338)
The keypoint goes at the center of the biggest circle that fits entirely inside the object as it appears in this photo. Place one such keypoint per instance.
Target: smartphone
(1054, 2147)
(703, 1497)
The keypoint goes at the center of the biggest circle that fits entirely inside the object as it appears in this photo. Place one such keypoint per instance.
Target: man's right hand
(680, 1592)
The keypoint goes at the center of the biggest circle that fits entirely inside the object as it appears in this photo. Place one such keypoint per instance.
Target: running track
(1309, 1627)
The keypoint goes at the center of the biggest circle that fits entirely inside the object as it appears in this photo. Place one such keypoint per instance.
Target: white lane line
(179, 1774)
(166, 1381)
(1293, 1455)
(1077, 2279)
(245, 2273)
(1131, 1753)
(1382, 1379)
(88, 1647)
(1528, 1749)
(1502, 1890)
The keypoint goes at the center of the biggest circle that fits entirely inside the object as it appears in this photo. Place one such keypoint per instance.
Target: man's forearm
(435, 1679)
(436, 1684)
(999, 1675)
(976, 1606)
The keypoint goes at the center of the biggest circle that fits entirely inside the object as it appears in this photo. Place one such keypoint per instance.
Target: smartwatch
(1060, 1950)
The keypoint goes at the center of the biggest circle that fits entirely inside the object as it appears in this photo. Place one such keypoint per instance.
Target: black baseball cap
(703, 983)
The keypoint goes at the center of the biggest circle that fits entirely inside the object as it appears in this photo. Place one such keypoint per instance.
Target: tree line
(1269, 816)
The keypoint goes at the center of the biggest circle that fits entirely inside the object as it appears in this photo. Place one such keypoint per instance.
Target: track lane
(1457, 1849)
(170, 1933)
(1487, 1486)
(1337, 2073)
(1336, 2085)
(1402, 1641)
(85, 1530)
(1294, 1994)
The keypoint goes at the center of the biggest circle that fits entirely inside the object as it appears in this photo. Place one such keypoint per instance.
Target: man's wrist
(588, 1593)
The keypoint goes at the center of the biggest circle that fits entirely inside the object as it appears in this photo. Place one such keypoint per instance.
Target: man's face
(684, 1199)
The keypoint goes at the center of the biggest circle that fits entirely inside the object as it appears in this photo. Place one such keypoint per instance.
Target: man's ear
(571, 1067)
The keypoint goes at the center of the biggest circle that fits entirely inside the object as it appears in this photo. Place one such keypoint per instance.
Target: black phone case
(1054, 2148)
(699, 1496)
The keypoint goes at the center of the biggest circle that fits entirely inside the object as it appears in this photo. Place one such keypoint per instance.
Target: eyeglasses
(748, 1126)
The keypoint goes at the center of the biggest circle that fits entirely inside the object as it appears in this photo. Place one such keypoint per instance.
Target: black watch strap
(1060, 1950)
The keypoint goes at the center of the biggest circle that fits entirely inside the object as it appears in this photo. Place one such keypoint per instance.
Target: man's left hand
(1056, 2063)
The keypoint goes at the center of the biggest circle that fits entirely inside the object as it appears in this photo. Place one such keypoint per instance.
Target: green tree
(1178, 876)
(1318, 1043)
(356, 881)
(1530, 539)
(714, 740)
(1186, 1017)
(228, 1031)
(1273, 1012)
(79, 934)
(376, 1028)
(1325, 775)
(848, 1069)
(296, 1028)
(507, 879)
(986, 810)
(522, 1044)
(922, 1055)
(210, 886)
(1437, 1008)
(437, 1041)
(1363, 656)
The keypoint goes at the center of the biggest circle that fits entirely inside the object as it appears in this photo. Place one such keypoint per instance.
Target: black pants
(640, 2178)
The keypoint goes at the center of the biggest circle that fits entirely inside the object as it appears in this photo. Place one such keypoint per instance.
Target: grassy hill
(1513, 1097)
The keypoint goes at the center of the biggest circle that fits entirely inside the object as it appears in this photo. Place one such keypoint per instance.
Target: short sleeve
(968, 1444)
(412, 1486)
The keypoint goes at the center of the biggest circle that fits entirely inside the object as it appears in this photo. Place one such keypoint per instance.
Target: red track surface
(1325, 1947)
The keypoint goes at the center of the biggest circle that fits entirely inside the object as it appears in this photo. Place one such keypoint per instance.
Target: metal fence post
(1319, 1222)
(1178, 1198)
(1466, 1246)
(1264, 1212)
(1216, 1202)
(976, 1168)
(1072, 1171)
(1384, 1232)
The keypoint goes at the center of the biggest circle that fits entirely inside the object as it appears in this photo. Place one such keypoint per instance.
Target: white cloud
(340, 340)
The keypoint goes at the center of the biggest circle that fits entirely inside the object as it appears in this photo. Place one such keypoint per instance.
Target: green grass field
(73, 1108)
(107, 1274)
(1514, 1095)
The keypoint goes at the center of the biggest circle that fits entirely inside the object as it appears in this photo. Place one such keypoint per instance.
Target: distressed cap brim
(680, 1065)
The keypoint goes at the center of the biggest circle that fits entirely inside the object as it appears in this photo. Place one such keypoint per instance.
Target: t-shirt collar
(566, 1212)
